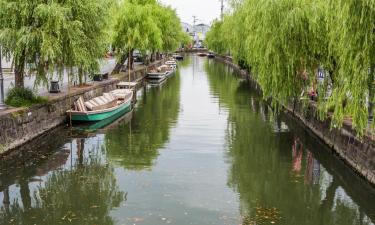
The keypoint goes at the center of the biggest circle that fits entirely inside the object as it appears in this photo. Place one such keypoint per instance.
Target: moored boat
(110, 104)
(171, 71)
(156, 75)
(171, 62)
(161, 72)
(156, 82)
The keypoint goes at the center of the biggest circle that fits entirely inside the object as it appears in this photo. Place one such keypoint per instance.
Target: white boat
(161, 72)
(171, 72)
(156, 75)
(171, 62)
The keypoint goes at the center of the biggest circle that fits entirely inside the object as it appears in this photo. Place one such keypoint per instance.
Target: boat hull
(171, 73)
(156, 76)
(122, 109)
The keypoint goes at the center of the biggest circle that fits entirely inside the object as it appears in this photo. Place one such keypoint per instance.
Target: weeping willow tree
(135, 28)
(286, 42)
(53, 35)
(147, 26)
(352, 44)
(215, 40)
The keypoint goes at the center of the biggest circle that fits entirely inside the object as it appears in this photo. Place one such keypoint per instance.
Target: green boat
(122, 106)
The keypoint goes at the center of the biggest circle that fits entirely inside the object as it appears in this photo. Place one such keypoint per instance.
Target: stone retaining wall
(358, 153)
(20, 125)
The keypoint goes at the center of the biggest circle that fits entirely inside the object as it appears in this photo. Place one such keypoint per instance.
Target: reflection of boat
(104, 123)
(202, 54)
(211, 55)
(100, 108)
(157, 82)
(178, 57)
(86, 130)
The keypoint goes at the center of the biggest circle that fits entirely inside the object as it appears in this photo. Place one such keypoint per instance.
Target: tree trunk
(370, 83)
(152, 56)
(158, 55)
(19, 70)
(131, 60)
(80, 75)
(120, 63)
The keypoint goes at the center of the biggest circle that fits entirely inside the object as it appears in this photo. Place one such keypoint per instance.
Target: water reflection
(202, 149)
(278, 177)
(136, 145)
(74, 186)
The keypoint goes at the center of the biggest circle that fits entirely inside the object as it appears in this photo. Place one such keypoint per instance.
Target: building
(197, 32)
(201, 30)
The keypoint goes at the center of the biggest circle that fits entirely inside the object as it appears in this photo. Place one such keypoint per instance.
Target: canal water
(202, 148)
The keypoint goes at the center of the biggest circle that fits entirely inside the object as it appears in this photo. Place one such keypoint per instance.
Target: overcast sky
(205, 10)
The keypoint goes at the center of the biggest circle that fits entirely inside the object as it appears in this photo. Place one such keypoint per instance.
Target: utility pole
(2, 105)
(194, 21)
(194, 32)
(222, 10)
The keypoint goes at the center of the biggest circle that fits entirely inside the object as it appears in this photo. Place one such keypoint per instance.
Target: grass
(23, 97)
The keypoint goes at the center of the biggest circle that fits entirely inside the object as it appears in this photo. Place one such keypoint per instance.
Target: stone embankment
(358, 153)
(21, 125)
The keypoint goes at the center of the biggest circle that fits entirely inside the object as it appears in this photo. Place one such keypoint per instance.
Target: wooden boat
(171, 71)
(100, 108)
(156, 82)
(161, 72)
(171, 62)
(156, 75)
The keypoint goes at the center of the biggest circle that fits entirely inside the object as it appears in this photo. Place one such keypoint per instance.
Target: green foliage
(135, 28)
(285, 42)
(23, 97)
(215, 40)
(54, 34)
(146, 26)
(136, 145)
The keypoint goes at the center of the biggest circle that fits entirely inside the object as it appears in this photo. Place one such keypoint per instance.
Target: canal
(202, 148)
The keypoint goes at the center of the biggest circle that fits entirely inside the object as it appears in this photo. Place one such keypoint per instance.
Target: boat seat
(111, 101)
(109, 96)
(89, 106)
(80, 105)
(92, 105)
(99, 101)
(121, 93)
(105, 100)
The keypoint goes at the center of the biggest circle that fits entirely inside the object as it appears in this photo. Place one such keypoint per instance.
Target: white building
(197, 32)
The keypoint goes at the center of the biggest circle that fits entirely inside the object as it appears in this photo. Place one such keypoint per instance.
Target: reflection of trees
(186, 62)
(135, 145)
(84, 194)
(261, 169)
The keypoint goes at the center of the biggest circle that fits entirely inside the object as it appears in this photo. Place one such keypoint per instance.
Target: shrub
(23, 97)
